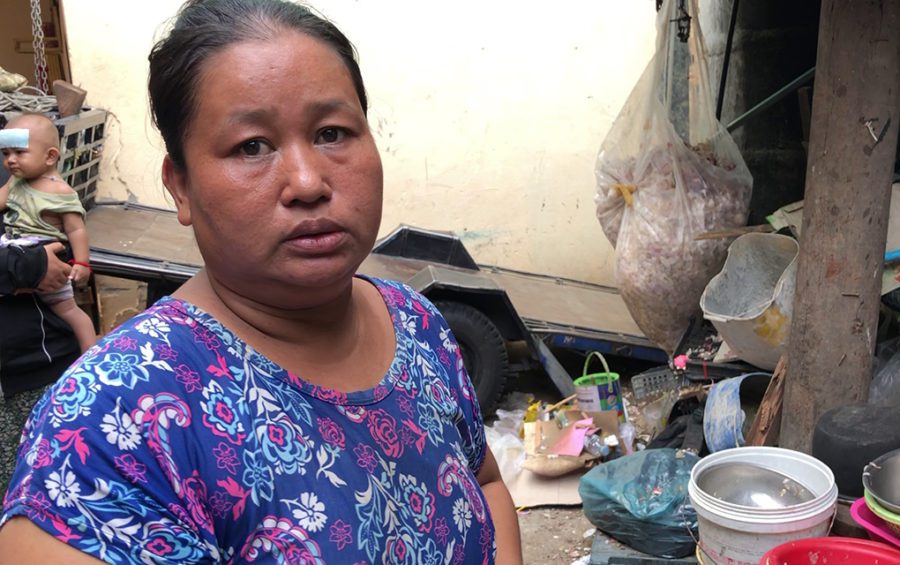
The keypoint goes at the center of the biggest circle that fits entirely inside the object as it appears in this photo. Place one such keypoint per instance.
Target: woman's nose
(305, 176)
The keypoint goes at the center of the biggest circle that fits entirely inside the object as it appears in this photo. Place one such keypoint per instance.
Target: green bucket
(599, 392)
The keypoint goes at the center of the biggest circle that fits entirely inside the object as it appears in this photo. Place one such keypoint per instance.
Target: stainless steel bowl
(746, 484)
(881, 477)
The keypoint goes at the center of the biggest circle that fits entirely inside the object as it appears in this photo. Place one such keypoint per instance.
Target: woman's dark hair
(204, 27)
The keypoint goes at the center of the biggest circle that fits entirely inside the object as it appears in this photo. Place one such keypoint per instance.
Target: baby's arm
(4, 193)
(73, 225)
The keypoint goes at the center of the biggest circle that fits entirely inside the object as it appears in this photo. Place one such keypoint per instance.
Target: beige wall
(488, 114)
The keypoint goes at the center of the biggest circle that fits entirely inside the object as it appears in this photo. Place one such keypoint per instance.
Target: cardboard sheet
(529, 489)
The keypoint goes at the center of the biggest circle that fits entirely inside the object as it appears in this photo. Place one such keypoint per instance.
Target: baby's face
(29, 163)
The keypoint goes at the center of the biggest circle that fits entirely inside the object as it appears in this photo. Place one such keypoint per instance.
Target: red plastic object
(876, 526)
(832, 551)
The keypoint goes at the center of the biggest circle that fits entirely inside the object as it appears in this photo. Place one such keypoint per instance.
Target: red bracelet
(80, 263)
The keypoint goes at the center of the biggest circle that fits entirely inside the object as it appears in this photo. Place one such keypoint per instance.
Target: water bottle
(595, 446)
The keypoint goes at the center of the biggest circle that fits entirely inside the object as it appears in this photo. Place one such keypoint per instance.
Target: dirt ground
(555, 536)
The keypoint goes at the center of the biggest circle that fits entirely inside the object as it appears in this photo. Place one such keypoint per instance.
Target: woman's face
(282, 182)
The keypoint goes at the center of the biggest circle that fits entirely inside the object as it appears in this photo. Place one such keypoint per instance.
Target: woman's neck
(322, 320)
(346, 332)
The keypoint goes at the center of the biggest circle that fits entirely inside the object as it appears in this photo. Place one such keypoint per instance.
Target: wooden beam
(733, 232)
(853, 141)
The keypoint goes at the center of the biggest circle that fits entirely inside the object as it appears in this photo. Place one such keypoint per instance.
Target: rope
(21, 101)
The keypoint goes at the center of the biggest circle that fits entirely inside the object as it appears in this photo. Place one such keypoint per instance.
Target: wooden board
(142, 232)
(567, 303)
(767, 424)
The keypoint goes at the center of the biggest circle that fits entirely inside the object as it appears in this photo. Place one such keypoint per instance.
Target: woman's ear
(176, 183)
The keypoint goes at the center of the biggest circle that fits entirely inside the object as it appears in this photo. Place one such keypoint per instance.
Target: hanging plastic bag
(641, 500)
(657, 190)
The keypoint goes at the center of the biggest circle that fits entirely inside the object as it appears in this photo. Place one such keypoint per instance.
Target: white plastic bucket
(733, 534)
(750, 302)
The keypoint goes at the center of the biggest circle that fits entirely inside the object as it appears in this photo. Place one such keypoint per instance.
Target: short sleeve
(469, 421)
(93, 469)
(64, 203)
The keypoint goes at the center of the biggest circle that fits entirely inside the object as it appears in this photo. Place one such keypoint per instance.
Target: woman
(276, 408)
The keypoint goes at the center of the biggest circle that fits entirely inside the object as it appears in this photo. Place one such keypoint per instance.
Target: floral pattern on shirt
(172, 441)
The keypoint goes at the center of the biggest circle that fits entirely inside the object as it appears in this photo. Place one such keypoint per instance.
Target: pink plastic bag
(656, 191)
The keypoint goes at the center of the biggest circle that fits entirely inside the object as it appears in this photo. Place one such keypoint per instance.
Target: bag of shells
(667, 172)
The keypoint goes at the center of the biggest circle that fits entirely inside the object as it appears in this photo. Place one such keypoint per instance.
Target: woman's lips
(321, 243)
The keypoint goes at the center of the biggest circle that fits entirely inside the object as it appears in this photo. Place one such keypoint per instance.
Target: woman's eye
(255, 147)
(331, 135)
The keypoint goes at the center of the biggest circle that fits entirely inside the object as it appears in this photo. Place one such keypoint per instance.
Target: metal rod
(727, 58)
(773, 99)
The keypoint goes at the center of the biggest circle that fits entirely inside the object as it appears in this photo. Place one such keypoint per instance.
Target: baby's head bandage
(13, 139)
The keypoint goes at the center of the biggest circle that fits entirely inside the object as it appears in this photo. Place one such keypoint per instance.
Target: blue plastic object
(723, 417)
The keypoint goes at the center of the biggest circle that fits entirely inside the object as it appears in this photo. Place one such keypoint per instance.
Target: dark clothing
(35, 345)
(21, 268)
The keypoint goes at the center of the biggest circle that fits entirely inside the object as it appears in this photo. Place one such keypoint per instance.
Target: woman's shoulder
(163, 319)
(401, 294)
(153, 342)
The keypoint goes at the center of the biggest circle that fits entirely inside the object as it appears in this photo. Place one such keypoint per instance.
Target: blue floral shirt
(173, 441)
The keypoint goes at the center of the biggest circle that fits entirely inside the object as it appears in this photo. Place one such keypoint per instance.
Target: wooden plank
(153, 234)
(69, 98)
(57, 14)
(767, 423)
(734, 232)
(567, 303)
(852, 147)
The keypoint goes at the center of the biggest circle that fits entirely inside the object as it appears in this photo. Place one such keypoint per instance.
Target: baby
(41, 207)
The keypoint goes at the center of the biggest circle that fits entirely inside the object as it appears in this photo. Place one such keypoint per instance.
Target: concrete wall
(488, 114)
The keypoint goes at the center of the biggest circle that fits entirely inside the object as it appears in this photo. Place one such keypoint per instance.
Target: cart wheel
(483, 350)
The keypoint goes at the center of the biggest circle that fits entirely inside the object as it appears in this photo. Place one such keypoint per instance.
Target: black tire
(483, 350)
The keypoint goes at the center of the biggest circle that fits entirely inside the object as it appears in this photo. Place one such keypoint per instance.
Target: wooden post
(852, 147)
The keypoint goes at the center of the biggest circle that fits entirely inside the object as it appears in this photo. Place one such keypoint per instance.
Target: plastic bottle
(626, 432)
(595, 446)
